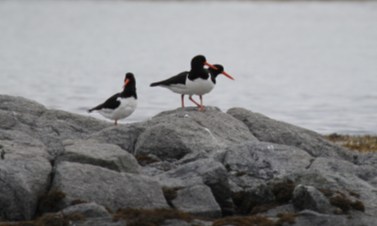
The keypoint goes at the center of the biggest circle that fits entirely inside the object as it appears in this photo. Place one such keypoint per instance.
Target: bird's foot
(201, 108)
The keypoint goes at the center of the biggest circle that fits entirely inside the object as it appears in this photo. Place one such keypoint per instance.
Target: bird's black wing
(178, 79)
(110, 103)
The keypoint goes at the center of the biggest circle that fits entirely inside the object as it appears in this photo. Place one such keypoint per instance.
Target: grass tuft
(145, 217)
(50, 201)
(51, 219)
(365, 143)
(255, 220)
(286, 218)
(170, 194)
(283, 191)
(144, 160)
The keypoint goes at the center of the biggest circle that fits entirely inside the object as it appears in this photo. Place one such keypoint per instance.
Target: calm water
(311, 64)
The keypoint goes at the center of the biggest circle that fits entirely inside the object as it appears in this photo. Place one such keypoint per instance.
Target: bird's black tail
(155, 84)
(95, 108)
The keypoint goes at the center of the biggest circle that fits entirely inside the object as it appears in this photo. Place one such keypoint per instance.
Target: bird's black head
(129, 80)
(198, 61)
(129, 88)
(215, 72)
(217, 69)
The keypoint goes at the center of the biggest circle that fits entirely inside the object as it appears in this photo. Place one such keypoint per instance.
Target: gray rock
(365, 172)
(20, 144)
(20, 105)
(347, 178)
(69, 125)
(99, 222)
(22, 181)
(205, 171)
(157, 168)
(283, 209)
(308, 197)
(210, 156)
(197, 200)
(352, 187)
(171, 136)
(176, 222)
(54, 126)
(88, 210)
(247, 199)
(264, 160)
(124, 136)
(269, 130)
(105, 155)
(7, 119)
(195, 222)
(311, 218)
(106, 187)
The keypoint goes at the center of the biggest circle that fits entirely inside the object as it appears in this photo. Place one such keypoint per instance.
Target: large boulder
(308, 197)
(172, 135)
(106, 187)
(197, 200)
(125, 136)
(21, 144)
(51, 127)
(264, 160)
(101, 154)
(20, 105)
(204, 171)
(344, 177)
(270, 130)
(22, 181)
(54, 126)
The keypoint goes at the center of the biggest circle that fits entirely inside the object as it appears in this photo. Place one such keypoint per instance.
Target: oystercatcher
(197, 81)
(120, 105)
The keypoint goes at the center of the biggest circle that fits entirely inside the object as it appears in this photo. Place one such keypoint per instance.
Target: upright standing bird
(120, 105)
(197, 81)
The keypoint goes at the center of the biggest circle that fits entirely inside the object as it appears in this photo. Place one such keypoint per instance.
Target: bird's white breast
(126, 108)
(199, 86)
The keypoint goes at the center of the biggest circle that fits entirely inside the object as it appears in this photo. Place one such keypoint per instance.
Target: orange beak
(224, 73)
(210, 65)
(227, 75)
(126, 82)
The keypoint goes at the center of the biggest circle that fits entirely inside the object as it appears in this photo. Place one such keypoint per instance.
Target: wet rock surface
(232, 167)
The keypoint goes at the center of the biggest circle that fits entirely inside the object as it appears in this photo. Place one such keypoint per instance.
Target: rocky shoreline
(178, 168)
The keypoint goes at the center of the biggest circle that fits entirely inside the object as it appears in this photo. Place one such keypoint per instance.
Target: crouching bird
(120, 105)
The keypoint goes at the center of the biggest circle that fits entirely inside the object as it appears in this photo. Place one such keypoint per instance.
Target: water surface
(312, 64)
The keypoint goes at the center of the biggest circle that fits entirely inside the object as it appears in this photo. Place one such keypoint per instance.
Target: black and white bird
(216, 71)
(197, 81)
(120, 105)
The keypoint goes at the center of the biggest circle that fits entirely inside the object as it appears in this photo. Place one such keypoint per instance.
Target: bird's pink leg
(197, 104)
(201, 103)
(183, 101)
